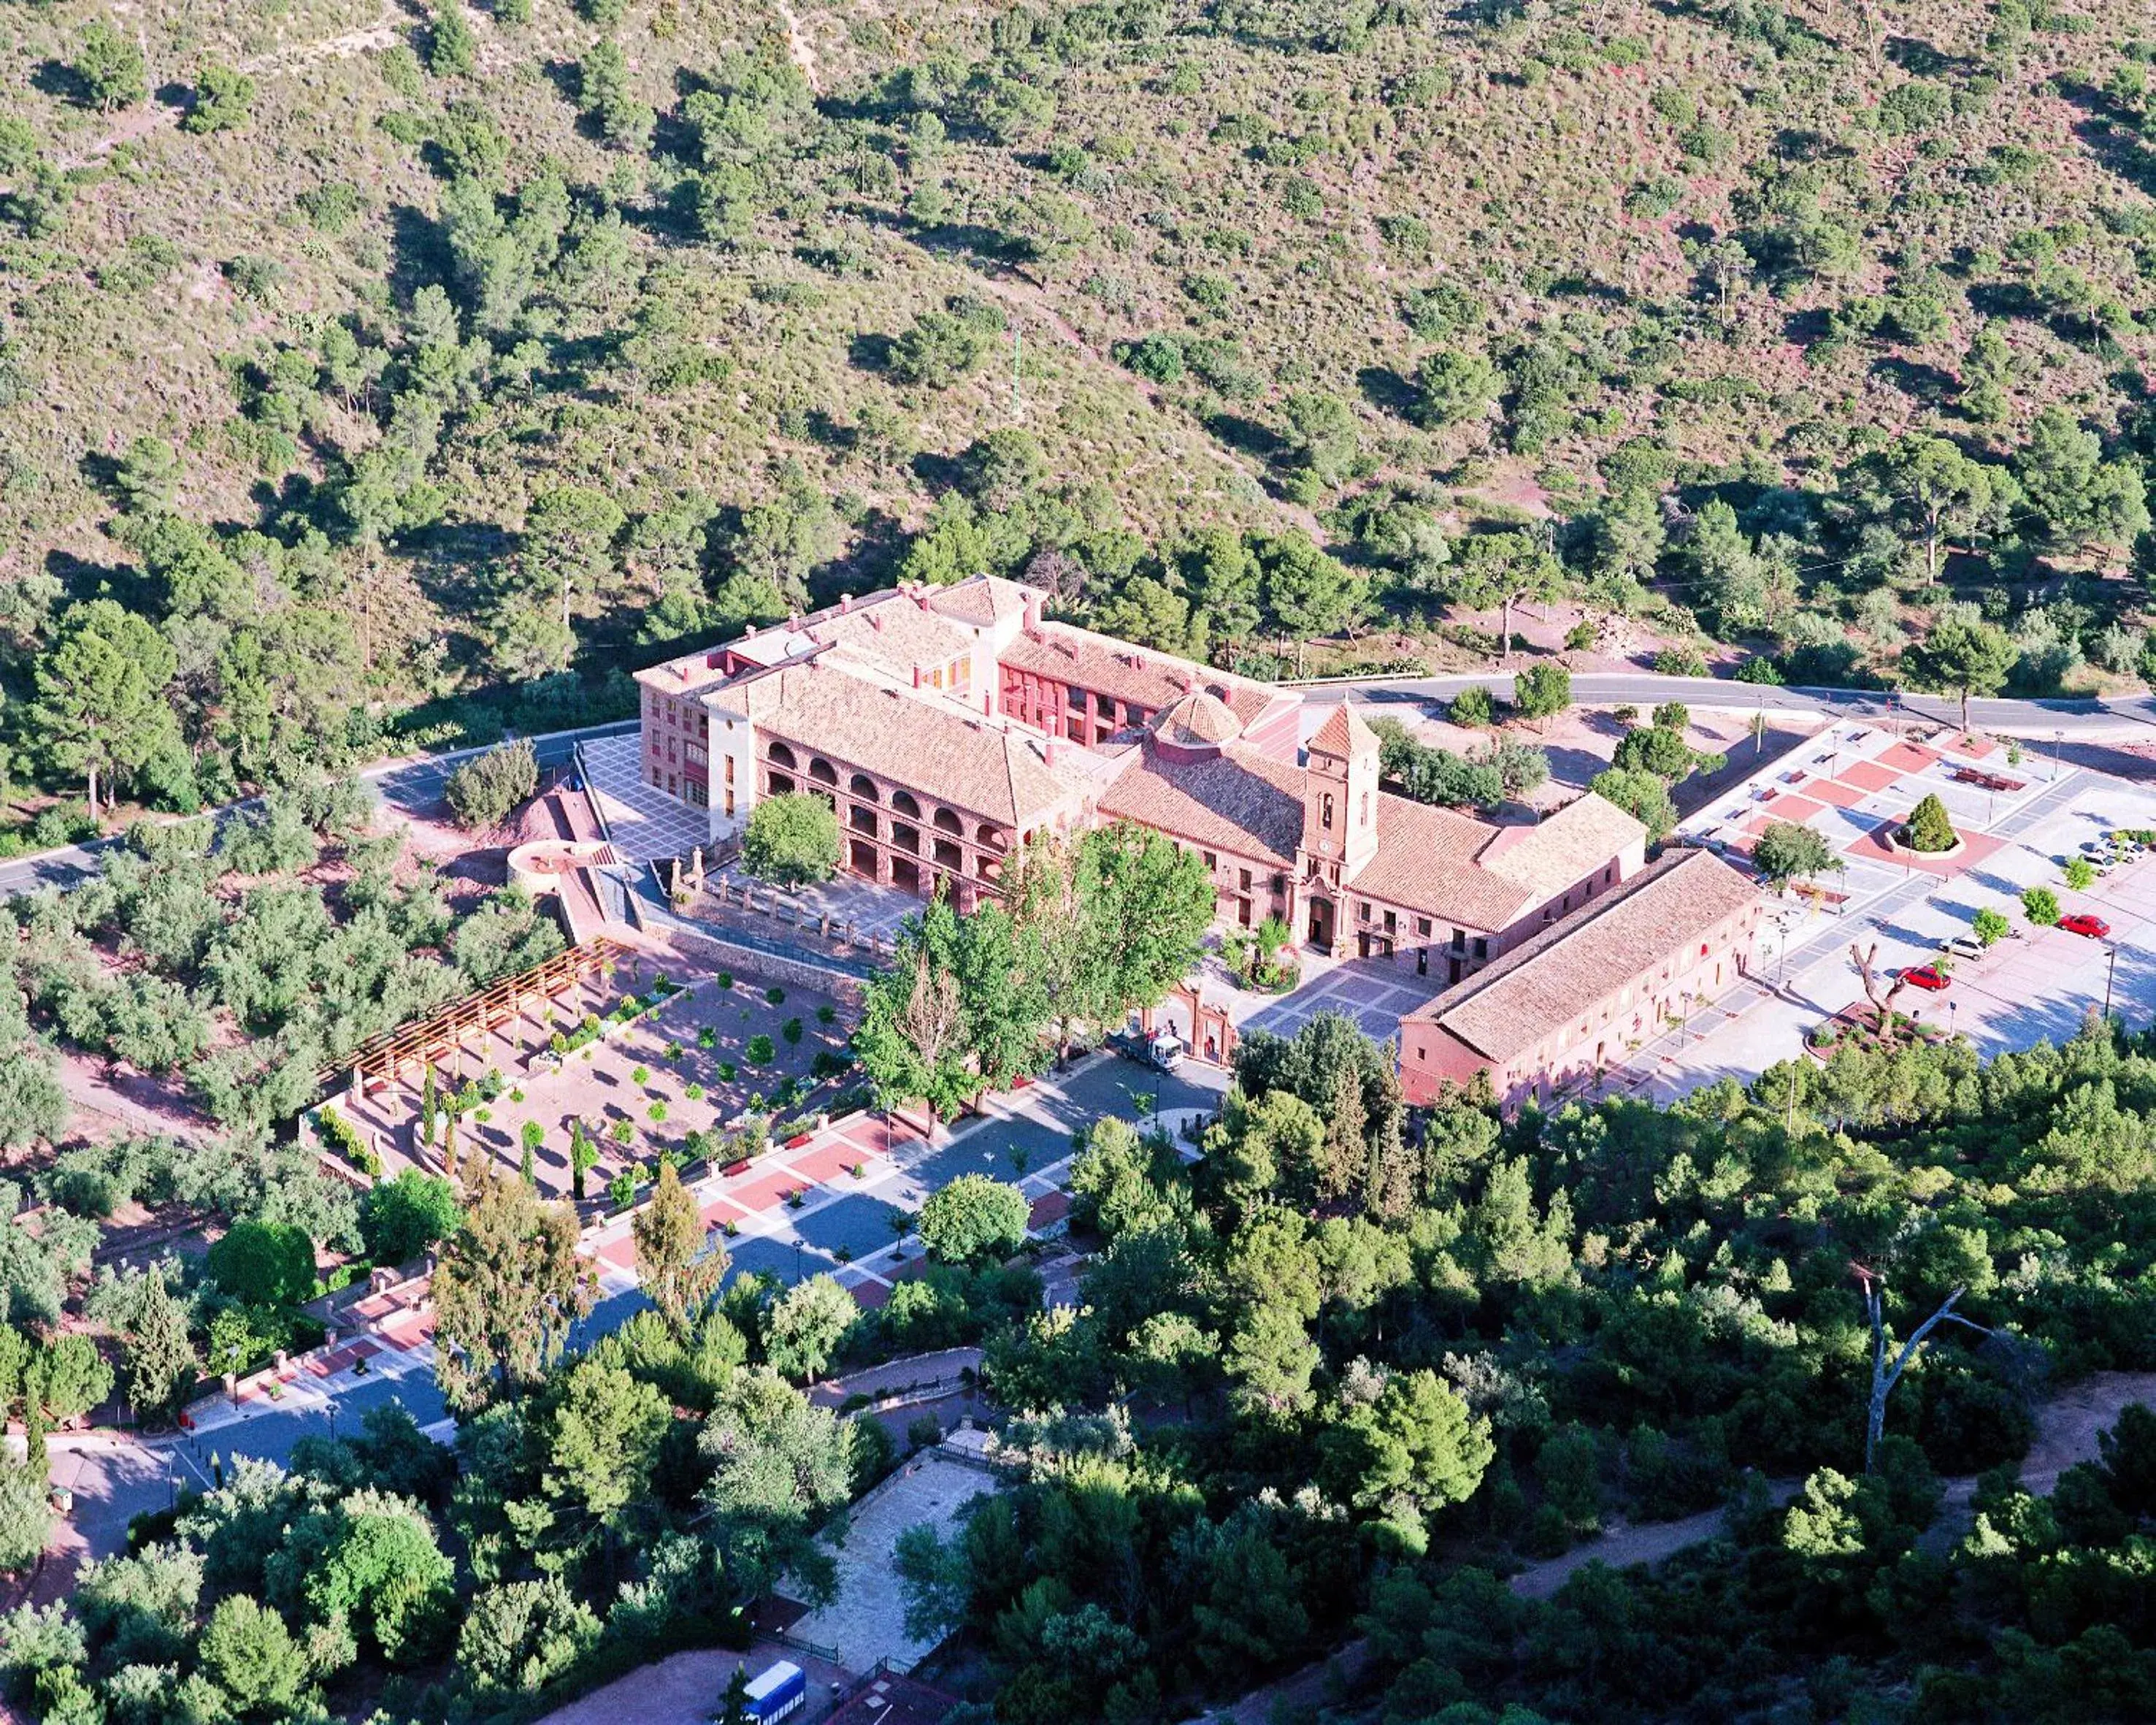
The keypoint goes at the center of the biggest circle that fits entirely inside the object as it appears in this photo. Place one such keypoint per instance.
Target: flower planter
(737, 1166)
(799, 1141)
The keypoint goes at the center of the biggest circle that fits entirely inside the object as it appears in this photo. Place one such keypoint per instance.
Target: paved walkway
(827, 1205)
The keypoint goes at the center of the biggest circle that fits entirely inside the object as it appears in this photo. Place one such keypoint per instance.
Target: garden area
(685, 1063)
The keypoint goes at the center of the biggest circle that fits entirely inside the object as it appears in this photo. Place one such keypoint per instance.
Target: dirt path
(799, 48)
(124, 1103)
(138, 123)
(2067, 1427)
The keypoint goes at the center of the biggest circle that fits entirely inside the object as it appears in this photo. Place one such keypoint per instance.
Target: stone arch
(862, 788)
(946, 822)
(780, 755)
(902, 802)
(822, 771)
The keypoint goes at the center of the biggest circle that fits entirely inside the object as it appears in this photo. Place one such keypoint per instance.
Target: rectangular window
(1246, 880)
(729, 779)
(1481, 947)
(1212, 862)
(1460, 939)
(1422, 927)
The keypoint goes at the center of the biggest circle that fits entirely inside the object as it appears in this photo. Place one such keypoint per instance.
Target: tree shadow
(1920, 59)
(1918, 381)
(2005, 299)
(871, 560)
(1801, 329)
(419, 252)
(870, 351)
(1246, 435)
(63, 83)
(1388, 391)
(940, 473)
(81, 579)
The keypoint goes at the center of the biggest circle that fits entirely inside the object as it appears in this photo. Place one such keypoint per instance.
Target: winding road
(2120, 718)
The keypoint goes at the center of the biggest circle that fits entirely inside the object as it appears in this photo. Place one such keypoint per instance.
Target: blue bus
(780, 1690)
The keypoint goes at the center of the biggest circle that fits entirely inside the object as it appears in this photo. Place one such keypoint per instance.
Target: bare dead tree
(933, 1018)
(1885, 1377)
(1881, 1004)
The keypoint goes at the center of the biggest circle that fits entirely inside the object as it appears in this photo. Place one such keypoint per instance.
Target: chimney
(751, 630)
(1052, 750)
(916, 676)
(845, 603)
(875, 621)
(920, 596)
(1032, 609)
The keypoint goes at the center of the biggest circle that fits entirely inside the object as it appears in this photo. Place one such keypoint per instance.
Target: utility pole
(2111, 970)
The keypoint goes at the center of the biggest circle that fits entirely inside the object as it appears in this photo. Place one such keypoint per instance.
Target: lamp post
(2111, 970)
(2058, 753)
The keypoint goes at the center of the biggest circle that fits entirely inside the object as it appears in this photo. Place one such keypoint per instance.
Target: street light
(2111, 970)
(2058, 753)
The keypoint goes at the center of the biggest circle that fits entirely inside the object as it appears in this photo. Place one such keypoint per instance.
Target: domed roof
(1199, 720)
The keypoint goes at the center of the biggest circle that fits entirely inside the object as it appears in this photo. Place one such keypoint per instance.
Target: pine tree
(161, 1366)
(583, 1156)
(1930, 829)
(1346, 1156)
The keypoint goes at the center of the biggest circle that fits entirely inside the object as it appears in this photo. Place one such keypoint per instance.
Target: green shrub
(2041, 906)
(761, 1050)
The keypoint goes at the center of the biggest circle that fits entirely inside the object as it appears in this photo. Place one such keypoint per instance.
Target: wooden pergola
(504, 1004)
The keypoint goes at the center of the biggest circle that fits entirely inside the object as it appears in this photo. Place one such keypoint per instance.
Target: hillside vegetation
(376, 358)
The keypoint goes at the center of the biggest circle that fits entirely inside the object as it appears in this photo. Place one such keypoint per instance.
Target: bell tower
(1340, 798)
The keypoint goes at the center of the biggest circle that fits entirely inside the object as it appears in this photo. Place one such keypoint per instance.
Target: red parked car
(2094, 928)
(1929, 976)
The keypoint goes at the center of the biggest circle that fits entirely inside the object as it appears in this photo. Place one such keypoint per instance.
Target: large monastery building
(947, 725)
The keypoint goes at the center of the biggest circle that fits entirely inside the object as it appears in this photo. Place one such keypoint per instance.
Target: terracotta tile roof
(1237, 801)
(985, 600)
(916, 740)
(1346, 732)
(893, 635)
(1200, 719)
(1562, 849)
(1426, 861)
(1584, 958)
(1129, 673)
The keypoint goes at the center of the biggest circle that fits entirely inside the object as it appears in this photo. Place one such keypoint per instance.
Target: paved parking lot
(2039, 985)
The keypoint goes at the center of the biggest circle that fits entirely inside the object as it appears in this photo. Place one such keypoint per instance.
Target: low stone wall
(802, 972)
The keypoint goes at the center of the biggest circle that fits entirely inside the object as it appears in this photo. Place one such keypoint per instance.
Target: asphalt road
(412, 781)
(2074, 719)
